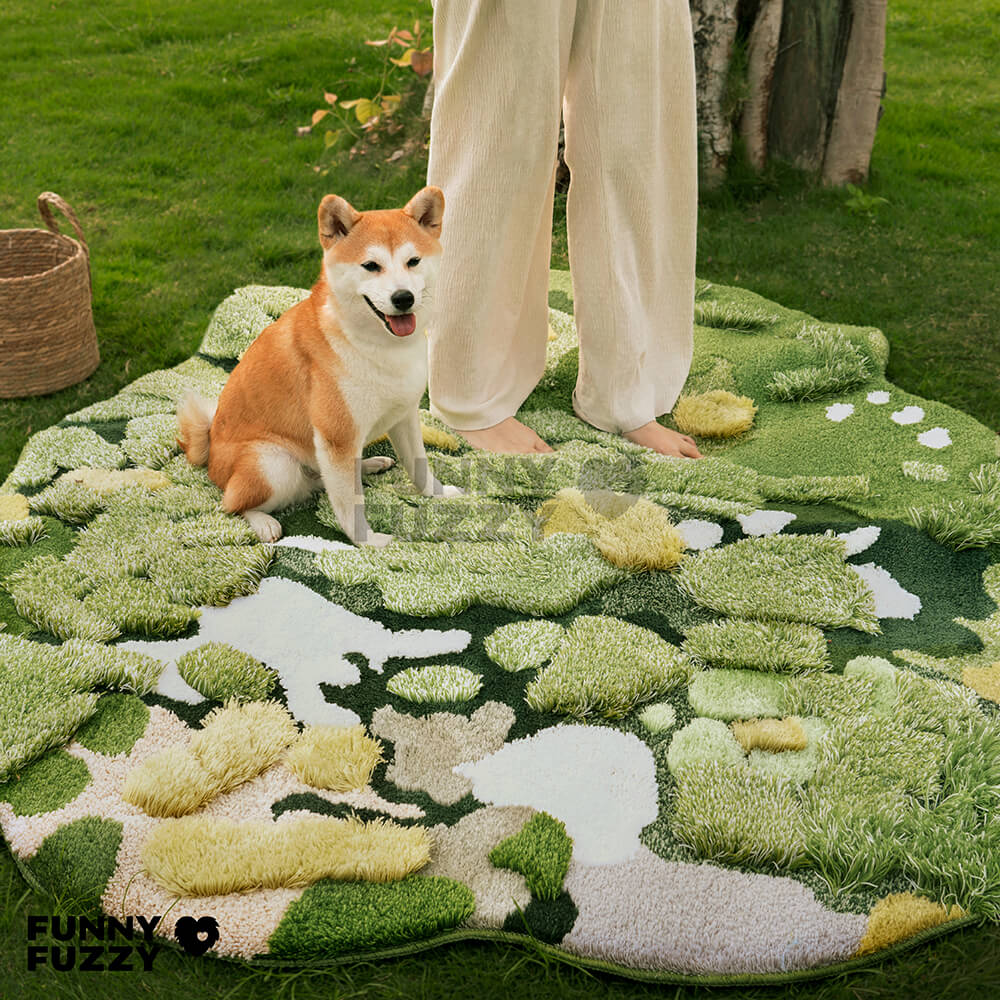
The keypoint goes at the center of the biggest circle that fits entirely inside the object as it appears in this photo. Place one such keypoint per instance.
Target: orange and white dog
(340, 369)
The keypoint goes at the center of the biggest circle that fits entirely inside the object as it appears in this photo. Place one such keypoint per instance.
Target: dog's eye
(413, 261)
(370, 265)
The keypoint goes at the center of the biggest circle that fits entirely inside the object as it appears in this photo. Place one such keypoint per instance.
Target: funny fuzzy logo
(194, 936)
(121, 946)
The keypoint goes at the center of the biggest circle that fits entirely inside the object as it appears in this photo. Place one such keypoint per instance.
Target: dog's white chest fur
(379, 391)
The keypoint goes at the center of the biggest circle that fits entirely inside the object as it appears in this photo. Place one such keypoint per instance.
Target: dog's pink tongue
(402, 326)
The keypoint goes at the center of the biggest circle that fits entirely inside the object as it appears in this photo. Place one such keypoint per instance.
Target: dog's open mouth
(399, 326)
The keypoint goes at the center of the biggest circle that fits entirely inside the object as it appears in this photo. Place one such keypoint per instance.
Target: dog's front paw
(265, 527)
(452, 491)
(377, 463)
(376, 539)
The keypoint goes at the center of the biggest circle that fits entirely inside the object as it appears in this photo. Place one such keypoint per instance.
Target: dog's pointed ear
(336, 219)
(427, 207)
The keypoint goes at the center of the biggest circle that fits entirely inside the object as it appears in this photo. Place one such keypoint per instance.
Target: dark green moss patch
(547, 920)
(332, 918)
(118, 721)
(77, 860)
(47, 784)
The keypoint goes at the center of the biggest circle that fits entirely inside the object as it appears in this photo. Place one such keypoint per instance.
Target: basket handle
(49, 198)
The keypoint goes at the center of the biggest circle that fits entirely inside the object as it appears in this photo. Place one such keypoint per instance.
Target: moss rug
(723, 720)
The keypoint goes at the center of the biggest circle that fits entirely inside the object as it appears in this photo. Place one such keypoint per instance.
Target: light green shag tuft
(884, 676)
(439, 682)
(48, 593)
(151, 441)
(733, 316)
(964, 523)
(704, 740)
(840, 366)
(986, 480)
(563, 327)
(195, 374)
(925, 472)
(144, 564)
(799, 578)
(739, 694)
(69, 501)
(658, 718)
(557, 426)
(524, 645)
(737, 815)
(814, 489)
(24, 531)
(606, 667)
(220, 672)
(58, 448)
(544, 577)
(795, 766)
(241, 317)
(410, 517)
(784, 647)
(46, 691)
(124, 406)
(179, 470)
(831, 695)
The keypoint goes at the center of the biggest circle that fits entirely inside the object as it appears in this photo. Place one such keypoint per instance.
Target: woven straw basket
(47, 336)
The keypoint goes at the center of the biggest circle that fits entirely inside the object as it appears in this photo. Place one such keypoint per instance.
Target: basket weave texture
(47, 336)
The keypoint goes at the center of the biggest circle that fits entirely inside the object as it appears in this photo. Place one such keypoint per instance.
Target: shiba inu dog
(340, 369)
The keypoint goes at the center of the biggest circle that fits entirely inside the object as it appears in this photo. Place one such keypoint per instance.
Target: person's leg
(499, 68)
(631, 147)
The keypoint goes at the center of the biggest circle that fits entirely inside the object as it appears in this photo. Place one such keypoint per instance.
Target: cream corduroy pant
(622, 72)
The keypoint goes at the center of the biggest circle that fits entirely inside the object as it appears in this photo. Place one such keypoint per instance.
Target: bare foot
(664, 440)
(509, 437)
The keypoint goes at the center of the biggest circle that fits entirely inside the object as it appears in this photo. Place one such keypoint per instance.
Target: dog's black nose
(402, 299)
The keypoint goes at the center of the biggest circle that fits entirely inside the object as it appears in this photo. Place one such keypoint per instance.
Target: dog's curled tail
(194, 418)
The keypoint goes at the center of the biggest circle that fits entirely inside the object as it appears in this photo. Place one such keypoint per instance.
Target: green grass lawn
(170, 128)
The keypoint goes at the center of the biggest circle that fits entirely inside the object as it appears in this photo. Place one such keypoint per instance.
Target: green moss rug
(723, 720)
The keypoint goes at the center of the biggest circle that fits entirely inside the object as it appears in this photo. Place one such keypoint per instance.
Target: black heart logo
(197, 936)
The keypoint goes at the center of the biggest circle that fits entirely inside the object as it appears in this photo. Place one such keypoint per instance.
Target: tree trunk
(714, 24)
(806, 80)
(848, 153)
(762, 51)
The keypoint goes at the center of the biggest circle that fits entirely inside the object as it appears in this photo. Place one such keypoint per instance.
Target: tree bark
(806, 79)
(848, 153)
(714, 24)
(762, 51)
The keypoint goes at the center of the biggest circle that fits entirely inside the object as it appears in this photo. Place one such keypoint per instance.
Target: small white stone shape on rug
(764, 522)
(312, 543)
(860, 538)
(936, 437)
(304, 637)
(908, 415)
(839, 411)
(877, 397)
(699, 534)
(891, 600)
(600, 782)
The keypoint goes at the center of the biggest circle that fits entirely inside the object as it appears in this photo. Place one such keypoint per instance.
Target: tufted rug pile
(723, 720)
